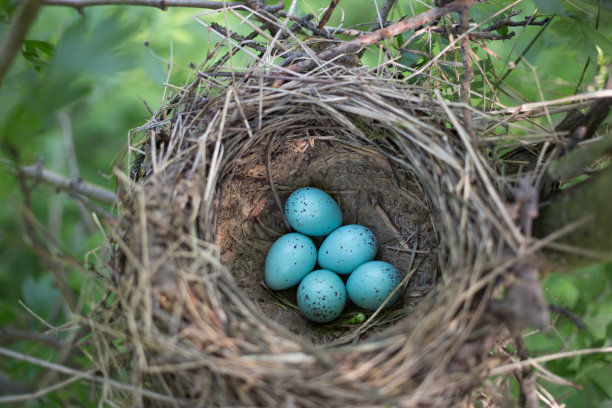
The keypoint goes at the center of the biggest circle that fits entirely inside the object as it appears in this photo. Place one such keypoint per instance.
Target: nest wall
(192, 336)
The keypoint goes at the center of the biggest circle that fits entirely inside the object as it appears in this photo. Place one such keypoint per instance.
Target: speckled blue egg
(312, 212)
(346, 248)
(321, 296)
(371, 283)
(290, 258)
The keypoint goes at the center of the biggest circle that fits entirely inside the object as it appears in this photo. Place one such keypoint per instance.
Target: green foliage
(7, 8)
(554, 7)
(38, 53)
(40, 295)
(588, 294)
(95, 70)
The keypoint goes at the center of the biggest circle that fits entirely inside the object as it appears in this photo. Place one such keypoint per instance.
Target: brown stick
(328, 13)
(468, 72)
(357, 44)
(14, 36)
(161, 4)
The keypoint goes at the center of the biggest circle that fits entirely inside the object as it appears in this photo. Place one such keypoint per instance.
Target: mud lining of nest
(370, 192)
(196, 327)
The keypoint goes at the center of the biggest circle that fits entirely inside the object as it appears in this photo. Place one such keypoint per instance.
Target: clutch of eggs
(347, 251)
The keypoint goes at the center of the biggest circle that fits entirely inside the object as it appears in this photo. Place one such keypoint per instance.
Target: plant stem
(15, 35)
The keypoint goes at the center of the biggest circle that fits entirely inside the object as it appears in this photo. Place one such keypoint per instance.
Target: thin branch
(62, 183)
(160, 4)
(304, 22)
(597, 113)
(445, 31)
(523, 53)
(357, 44)
(245, 41)
(468, 72)
(73, 164)
(506, 368)
(507, 22)
(15, 35)
(525, 378)
(8, 334)
(91, 377)
(385, 9)
(560, 310)
(326, 16)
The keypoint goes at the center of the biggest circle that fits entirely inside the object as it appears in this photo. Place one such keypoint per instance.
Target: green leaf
(550, 6)
(40, 295)
(600, 374)
(596, 37)
(560, 290)
(409, 59)
(599, 322)
(7, 8)
(38, 53)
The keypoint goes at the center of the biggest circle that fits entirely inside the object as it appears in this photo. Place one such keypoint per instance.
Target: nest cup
(371, 192)
(199, 329)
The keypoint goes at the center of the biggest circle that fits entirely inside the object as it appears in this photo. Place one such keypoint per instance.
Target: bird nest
(188, 321)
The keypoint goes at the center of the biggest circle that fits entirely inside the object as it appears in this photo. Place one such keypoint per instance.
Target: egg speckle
(371, 283)
(346, 248)
(312, 212)
(321, 296)
(290, 258)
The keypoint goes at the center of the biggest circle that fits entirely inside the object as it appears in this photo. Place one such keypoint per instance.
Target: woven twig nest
(194, 326)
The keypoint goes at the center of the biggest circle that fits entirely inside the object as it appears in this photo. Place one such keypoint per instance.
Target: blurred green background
(81, 84)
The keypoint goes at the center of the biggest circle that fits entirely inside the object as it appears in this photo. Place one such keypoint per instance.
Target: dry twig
(326, 16)
(161, 4)
(77, 186)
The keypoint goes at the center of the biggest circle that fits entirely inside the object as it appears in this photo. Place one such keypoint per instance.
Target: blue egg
(321, 296)
(312, 212)
(346, 248)
(371, 283)
(290, 258)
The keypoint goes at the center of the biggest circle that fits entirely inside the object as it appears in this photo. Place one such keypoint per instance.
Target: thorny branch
(160, 4)
(245, 41)
(304, 22)
(507, 22)
(445, 31)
